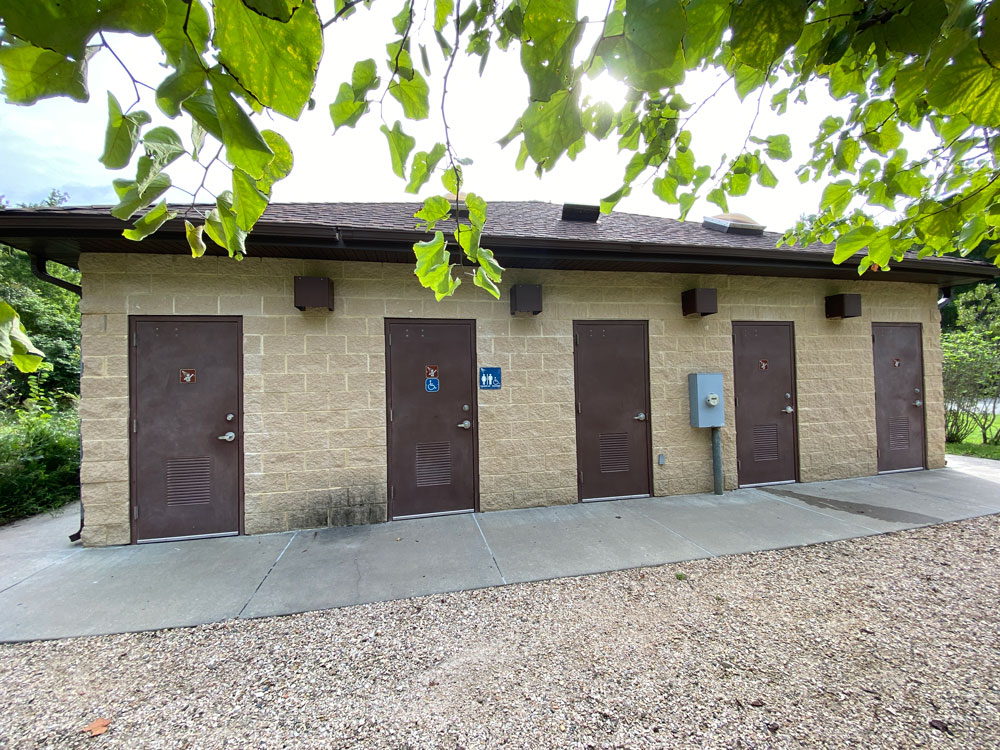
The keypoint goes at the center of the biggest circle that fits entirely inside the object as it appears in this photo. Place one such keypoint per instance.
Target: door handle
(640, 417)
(788, 410)
(228, 437)
(918, 402)
(465, 425)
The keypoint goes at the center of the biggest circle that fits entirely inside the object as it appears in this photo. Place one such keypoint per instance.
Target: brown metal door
(187, 447)
(899, 395)
(764, 384)
(611, 361)
(432, 416)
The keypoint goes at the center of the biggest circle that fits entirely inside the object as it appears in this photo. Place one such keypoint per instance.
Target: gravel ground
(883, 642)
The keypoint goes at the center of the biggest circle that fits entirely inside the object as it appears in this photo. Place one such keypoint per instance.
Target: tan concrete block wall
(314, 382)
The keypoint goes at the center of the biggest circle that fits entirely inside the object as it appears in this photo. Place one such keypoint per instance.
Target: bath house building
(316, 383)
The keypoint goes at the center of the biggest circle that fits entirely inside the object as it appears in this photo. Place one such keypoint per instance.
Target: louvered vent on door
(765, 442)
(433, 464)
(899, 433)
(189, 480)
(614, 452)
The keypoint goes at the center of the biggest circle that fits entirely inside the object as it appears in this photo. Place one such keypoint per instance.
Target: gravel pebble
(880, 642)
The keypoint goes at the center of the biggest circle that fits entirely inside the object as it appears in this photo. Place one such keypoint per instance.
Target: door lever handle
(465, 425)
(640, 417)
(788, 410)
(228, 437)
(918, 402)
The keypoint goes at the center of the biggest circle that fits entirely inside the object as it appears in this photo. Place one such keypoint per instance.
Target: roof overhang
(63, 238)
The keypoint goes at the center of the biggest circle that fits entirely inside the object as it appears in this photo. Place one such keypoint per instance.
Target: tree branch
(135, 82)
(343, 11)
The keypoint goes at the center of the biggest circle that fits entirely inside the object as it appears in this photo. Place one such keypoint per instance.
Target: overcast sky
(56, 143)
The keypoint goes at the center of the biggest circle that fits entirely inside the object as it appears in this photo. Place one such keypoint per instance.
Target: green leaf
(846, 156)
(130, 199)
(442, 11)
(30, 74)
(748, 79)
(277, 10)
(483, 281)
(477, 210)
(970, 87)
(345, 109)
(122, 135)
(424, 163)
(718, 197)
(764, 29)
(276, 62)
(913, 31)
(63, 27)
(177, 87)
(248, 201)
(648, 54)
(222, 228)
(203, 112)
(138, 17)
(766, 177)
(665, 188)
(837, 196)
(435, 209)
(551, 127)
(245, 147)
(163, 146)
(707, 20)
(432, 267)
(280, 166)
(549, 35)
(195, 239)
(400, 146)
(153, 220)
(853, 242)
(401, 21)
(15, 346)
(412, 93)
(452, 179)
(178, 45)
(778, 147)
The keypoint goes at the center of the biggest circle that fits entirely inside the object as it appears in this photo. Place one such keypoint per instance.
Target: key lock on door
(465, 424)
(229, 436)
(789, 409)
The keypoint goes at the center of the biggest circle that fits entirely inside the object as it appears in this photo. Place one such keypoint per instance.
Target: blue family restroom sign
(489, 378)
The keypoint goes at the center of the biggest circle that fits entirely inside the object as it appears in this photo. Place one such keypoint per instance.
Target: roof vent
(578, 212)
(733, 224)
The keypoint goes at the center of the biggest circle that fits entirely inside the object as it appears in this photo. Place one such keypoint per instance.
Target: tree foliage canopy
(899, 65)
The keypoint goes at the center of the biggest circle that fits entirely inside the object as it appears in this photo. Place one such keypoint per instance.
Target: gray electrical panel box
(705, 389)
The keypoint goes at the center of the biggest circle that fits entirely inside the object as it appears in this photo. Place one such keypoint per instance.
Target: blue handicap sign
(489, 378)
(432, 385)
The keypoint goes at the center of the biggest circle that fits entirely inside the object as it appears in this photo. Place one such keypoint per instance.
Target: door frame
(923, 390)
(795, 391)
(389, 500)
(133, 500)
(646, 385)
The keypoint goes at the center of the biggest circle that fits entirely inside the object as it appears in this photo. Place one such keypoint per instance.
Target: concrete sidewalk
(52, 589)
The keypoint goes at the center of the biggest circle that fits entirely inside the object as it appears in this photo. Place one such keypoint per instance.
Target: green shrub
(39, 462)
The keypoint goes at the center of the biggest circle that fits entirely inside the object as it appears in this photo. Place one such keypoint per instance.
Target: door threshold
(432, 515)
(187, 538)
(901, 471)
(768, 484)
(613, 497)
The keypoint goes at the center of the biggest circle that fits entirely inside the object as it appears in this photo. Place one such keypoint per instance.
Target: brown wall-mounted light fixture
(699, 302)
(526, 298)
(843, 306)
(313, 291)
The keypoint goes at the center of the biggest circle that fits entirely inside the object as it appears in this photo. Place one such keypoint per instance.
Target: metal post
(717, 459)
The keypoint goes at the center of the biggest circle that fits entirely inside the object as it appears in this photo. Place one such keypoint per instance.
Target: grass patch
(973, 449)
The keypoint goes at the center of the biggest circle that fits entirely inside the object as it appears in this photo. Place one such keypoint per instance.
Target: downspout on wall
(39, 266)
